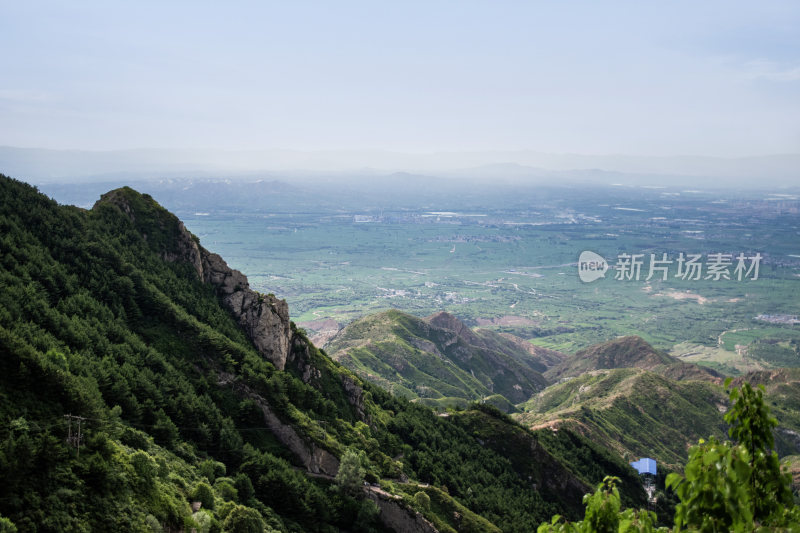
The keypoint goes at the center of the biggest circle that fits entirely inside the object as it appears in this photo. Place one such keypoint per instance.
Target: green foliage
(738, 485)
(211, 469)
(226, 490)
(244, 488)
(146, 470)
(350, 476)
(592, 462)
(714, 493)
(446, 512)
(204, 494)
(422, 501)
(752, 427)
(367, 518)
(153, 525)
(243, 519)
(603, 515)
(603, 506)
(204, 520)
(7, 526)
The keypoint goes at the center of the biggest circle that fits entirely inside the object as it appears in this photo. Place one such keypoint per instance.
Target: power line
(74, 437)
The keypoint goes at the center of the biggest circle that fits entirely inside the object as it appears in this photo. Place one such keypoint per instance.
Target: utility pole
(74, 437)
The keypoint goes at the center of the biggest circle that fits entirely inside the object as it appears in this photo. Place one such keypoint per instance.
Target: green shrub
(204, 494)
(243, 519)
(422, 501)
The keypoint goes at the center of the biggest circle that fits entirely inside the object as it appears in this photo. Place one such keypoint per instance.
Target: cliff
(264, 318)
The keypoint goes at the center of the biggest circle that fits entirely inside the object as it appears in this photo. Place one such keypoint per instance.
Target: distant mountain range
(511, 166)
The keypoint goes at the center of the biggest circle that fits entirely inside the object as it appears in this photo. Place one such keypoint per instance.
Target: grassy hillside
(437, 359)
(633, 411)
(100, 317)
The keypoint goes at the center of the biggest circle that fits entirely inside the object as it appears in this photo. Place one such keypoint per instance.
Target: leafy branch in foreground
(727, 486)
(603, 514)
(739, 485)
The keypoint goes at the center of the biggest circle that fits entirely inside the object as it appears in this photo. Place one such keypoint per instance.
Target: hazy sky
(596, 77)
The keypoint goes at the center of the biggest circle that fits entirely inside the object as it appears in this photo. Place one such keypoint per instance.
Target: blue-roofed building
(647, 470)
(645, 466)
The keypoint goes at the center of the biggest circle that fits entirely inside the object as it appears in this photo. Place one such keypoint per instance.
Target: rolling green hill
(191, 387)
(438, 359)
(639, 412)
(627, 352)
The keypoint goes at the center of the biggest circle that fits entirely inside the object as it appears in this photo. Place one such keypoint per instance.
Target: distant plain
(505, 258)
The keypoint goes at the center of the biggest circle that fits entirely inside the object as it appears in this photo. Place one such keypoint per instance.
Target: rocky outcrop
(187, 250)
(264, 318)
(315, 459)
(396, 516)
(355, 396)
(300, 359)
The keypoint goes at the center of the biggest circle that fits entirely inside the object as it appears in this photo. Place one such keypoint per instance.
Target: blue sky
(639, 77)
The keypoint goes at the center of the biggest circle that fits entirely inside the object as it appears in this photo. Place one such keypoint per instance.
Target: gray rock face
(264, 318)
(355, 395)
(315, 459)
(187, 250)
(300, 358)
(398, 517)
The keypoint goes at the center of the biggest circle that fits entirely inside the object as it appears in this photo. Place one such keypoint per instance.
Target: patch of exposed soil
(320, 331)
(507, 320)
(684, 295)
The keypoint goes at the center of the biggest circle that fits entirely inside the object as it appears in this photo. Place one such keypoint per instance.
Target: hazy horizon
(520, 167)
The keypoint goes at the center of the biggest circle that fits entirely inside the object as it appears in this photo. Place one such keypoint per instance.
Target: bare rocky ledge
(264, 318)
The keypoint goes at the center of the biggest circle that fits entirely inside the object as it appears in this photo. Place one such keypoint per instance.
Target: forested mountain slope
(193, 388)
